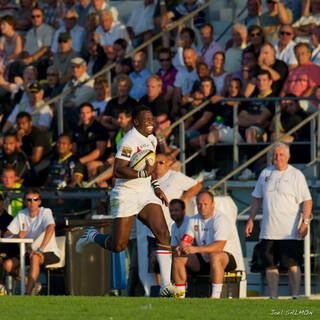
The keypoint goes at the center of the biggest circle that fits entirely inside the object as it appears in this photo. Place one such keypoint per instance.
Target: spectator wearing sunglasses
(62, 58)
(271, 20)
(37, 223)
(285, 46)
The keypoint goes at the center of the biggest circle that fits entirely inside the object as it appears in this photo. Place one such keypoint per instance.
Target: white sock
(181, 287)
(216, 290)
(165, 260)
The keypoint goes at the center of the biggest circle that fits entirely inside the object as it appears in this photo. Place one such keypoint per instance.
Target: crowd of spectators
(50, 47)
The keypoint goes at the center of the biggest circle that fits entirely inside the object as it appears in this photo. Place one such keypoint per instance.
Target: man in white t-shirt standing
(281, 189)
(37, 223)
(207, 246)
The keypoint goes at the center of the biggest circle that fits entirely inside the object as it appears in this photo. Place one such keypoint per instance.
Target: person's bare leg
(35, 262)
(294, 275)
(272, 276)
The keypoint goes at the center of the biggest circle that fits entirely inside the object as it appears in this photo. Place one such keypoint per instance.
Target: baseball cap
(35, 87)
(79, 61)
(64, 36)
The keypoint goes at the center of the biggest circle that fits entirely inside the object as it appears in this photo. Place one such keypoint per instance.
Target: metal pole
(235, 136)
(150, 57)
(278, 120)
(318, 145)
(182, 144)
(307, 265)
(22, 266)
(109, 81)
(313, 148)
(60, 116)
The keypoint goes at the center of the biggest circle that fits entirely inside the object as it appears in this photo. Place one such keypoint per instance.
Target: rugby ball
(138, 159)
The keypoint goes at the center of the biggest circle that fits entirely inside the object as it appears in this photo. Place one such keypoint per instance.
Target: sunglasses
(32, 199)
(52, 74)
(284, 33)
(258, 34)
(36, 16)
(163, 60)
(64, 41)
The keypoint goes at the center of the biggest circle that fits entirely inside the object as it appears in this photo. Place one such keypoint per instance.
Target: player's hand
(190, 250)
(160, 194)
(303, 230)
(149, 167)
(249, 228)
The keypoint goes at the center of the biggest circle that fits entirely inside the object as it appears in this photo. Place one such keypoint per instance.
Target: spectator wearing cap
(82, 90)
(41, 113)
(62, 58)
(110, 30)
(70, 25)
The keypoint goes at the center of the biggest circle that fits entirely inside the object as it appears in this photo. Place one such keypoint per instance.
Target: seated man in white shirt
(110, 30)
(41, 118)
(207, 246)
(32, 222)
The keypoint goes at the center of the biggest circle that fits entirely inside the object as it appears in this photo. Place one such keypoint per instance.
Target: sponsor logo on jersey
(126, 151)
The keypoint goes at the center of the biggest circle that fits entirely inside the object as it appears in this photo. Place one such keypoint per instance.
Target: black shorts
(9, 250)
(49, 258)
(205, 266)
(283, 253)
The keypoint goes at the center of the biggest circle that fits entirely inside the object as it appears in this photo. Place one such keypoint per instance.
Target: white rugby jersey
(178, 233)
(131, 143)
(216, 228)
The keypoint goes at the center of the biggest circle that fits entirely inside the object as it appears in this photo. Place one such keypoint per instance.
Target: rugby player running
(136, 193)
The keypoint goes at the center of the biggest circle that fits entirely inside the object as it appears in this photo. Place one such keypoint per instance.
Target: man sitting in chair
(208, 246)
(32, 222)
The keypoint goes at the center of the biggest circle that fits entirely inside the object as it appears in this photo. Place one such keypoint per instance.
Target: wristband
(155, 184)
(142, 173)
(39, 250)
(306, 221)
(187, 238)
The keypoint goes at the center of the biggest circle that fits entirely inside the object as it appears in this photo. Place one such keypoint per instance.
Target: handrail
(139, 48)
(265, 150)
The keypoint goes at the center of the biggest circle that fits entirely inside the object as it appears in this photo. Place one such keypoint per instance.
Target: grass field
(116, 308)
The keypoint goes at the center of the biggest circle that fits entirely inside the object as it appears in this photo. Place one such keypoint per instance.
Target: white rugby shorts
(126, 202)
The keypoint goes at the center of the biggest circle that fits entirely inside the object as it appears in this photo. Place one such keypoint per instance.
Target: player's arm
(216, 246)
(122, 170)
